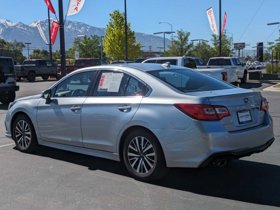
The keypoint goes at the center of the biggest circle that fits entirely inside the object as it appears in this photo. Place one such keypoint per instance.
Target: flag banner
(54, 30)
(50, 6)
(212, 22)
(224, 23)
(41, 32)
(75, 7)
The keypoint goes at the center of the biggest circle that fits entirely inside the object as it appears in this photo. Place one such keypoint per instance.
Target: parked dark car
(33, 68)
(8, 85)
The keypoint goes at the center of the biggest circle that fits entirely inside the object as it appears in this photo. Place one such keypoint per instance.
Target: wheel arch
(130, 129)
(14, 118)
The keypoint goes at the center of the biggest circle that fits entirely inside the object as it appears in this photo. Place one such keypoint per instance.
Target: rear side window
(6, 65)
(189, 81)
(114, 83)
(236, 62)
(219, 62)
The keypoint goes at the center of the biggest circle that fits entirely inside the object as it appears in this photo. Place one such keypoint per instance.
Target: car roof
(144, 67)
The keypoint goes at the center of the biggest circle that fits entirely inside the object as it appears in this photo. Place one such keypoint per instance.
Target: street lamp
(164, 32)
(171, 26)
(199, 40)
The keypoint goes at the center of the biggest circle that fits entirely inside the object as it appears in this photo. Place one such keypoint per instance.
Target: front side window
(77, 85)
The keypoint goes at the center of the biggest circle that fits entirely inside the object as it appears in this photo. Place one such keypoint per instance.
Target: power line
(252, 19)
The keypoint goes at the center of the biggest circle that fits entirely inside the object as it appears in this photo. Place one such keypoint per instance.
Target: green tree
(88, 47)
(114, 40)
(202, 50)
(180, 44)
(40, 54)
(13, 49)
(226, 45)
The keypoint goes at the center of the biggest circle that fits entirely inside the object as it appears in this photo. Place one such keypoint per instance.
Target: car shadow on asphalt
(245, 181)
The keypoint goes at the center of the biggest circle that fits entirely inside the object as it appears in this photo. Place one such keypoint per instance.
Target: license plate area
(244, 116)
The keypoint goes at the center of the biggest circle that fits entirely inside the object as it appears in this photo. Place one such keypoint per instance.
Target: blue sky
(247, 19)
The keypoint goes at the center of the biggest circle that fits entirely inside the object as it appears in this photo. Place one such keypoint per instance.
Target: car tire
(245, 78)
(24, 135)
(142, 156)
(31, 76)
(7, 97)
(45, 77)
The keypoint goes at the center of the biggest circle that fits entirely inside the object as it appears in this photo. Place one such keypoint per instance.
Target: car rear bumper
(236, 154)
(192, 149)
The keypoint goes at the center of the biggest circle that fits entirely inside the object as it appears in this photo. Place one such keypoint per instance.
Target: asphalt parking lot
(55, 179)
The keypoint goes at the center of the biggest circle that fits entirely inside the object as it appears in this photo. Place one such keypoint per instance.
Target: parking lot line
(7, 145)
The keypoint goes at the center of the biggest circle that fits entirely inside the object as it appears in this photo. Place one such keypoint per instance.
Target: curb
(272, 88)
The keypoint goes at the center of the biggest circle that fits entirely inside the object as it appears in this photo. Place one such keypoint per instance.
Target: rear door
(108, 110)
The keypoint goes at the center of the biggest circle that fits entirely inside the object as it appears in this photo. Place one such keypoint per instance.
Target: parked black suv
(8, 85)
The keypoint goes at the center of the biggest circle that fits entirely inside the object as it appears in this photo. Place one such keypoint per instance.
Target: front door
(60, 120)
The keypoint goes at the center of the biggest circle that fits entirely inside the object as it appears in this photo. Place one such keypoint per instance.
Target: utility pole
(28, 43)
(125, 30)
(50, 42)
(220, 28)
(62, 38)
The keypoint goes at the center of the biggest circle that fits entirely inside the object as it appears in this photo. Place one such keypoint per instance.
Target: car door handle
(124, 108)
(75, 108)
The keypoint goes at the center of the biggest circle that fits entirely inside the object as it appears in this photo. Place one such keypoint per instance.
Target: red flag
(54, 30)
(50, 6)
(224, 23)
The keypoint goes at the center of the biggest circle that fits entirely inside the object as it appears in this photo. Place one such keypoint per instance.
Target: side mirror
(47, 95)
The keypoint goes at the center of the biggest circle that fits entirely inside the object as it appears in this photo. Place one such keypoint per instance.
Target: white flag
(75, 7)
(41, 32)
(212, 22)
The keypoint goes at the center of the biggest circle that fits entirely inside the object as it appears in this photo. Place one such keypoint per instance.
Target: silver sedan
(148, 116)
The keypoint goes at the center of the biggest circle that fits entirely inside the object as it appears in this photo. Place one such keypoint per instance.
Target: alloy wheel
(141, 155)
(23, 134)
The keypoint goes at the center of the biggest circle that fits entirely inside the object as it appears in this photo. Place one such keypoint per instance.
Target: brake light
(264, 104)
(225, 78)
(204, 111)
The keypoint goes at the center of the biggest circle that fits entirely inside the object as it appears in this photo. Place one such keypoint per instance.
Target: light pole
(28, 43)
(171, 26)
(101, 49)
(125, 30)
(50, 40)
(62, 38)
(220, 27)
(164, 32)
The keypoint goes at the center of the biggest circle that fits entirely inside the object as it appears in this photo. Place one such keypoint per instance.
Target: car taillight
(204, 111)
(264, 104)
(224, 74)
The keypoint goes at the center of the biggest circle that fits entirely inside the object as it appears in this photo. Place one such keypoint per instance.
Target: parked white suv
(233, 66)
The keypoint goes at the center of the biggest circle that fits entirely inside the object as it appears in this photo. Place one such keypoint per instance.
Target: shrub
(272, 69)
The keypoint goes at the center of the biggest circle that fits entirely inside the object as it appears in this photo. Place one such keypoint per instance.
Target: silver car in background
(148, 116)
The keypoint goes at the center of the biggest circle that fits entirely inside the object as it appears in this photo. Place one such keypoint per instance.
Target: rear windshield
(219, 62)
(6, 65)
(186, 80)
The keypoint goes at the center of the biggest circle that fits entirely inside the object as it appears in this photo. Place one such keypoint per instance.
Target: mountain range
(11, 31)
